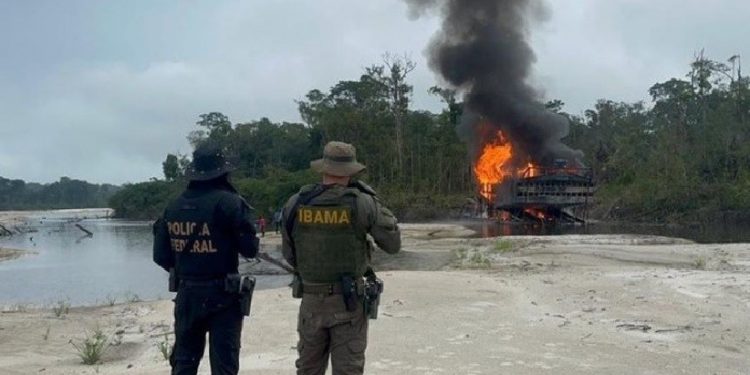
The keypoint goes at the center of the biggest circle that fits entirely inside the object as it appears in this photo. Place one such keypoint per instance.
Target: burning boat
(522, 167)
(559, 192)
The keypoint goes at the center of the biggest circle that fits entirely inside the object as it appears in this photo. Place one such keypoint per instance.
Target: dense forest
(66, 193)
(683, 153)
(414, 158)
(683, 157)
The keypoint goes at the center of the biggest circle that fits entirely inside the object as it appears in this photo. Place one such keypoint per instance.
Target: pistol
(349, 292)
(296, 285)
(373, 290)
(174, 281)
(247, 286)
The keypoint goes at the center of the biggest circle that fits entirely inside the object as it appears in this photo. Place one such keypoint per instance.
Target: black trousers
(200, 310)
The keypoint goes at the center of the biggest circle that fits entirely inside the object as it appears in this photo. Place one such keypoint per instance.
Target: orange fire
(539, 214)
(493, 165)
(530, 170)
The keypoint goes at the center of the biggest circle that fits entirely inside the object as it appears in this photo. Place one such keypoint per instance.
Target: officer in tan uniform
(325, 237)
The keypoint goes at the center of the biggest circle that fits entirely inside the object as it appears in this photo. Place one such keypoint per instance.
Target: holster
(373, 290)
(349, 292)
(242, 285)
(174, 281)
(296, 285)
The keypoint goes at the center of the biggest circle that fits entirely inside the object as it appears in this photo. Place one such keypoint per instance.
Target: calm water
(114, 263)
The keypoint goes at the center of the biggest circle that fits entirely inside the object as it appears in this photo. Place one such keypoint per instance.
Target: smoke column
(482, 50)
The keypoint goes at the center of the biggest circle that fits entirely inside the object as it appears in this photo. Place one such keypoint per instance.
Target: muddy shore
(8, 254)
(616, 304)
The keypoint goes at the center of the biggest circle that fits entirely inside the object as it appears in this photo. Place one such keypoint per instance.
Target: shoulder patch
(324, 215)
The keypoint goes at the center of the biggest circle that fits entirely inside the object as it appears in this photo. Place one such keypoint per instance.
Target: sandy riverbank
(9, 219)
(19, 217)
(8, 254)
(597, 304)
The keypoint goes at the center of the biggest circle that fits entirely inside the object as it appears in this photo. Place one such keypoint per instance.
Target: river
(114, 264)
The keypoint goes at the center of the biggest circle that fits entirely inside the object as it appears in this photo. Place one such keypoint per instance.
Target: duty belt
(210, 282)
(321, 288)
(334, 288)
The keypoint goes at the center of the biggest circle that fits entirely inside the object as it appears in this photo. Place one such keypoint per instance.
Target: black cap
(208, 163)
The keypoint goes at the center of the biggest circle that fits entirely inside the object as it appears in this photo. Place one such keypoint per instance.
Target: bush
(699, 263)
(93, 347)
(165, 348)
(503, 246)
(62, 308)
(147, 200)
(409, 206)
(271, 192)
(144, 200)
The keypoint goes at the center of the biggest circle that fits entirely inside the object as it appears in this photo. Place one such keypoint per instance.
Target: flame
(530, 170)
(539, 214)
(498, 162)
(505, 216)
(493, 165)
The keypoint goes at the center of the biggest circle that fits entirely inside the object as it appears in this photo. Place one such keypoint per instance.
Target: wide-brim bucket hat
(208, 163)
(339, 159)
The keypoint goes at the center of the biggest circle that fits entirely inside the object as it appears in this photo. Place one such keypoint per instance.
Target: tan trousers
(326, 329)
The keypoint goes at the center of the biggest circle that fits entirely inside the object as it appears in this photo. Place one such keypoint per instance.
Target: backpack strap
(302, 199)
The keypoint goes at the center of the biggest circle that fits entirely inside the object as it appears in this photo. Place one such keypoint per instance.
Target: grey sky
(102, 90)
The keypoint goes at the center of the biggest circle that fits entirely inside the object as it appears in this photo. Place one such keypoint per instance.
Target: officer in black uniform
(198, 241)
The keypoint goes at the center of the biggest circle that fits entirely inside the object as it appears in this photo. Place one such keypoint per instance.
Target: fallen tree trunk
(88, 233)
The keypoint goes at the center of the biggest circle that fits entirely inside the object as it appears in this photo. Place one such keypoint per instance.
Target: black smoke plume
(482, 50)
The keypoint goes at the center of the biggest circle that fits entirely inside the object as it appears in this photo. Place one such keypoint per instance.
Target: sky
(103, 90)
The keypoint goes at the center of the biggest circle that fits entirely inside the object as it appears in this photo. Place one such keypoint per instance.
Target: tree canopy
(65, 193)
(684, 151)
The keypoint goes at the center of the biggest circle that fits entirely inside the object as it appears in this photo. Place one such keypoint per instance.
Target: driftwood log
(88, 233)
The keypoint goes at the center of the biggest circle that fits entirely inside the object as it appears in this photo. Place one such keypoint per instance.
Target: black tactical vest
(329, 242)
(204, 247)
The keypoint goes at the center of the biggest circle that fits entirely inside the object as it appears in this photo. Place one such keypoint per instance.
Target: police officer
(325, 238)
(198, 239)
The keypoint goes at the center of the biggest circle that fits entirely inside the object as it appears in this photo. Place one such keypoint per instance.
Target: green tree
(216, 126)
(171, 167)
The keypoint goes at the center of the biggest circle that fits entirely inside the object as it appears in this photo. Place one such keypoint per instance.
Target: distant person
(198, 241)
(277, 221)
(325, 238)
(262, 226)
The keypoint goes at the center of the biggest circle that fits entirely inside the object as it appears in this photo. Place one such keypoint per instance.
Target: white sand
(616, 304)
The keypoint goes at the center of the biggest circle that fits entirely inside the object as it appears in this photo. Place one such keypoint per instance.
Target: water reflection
(113, 263)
